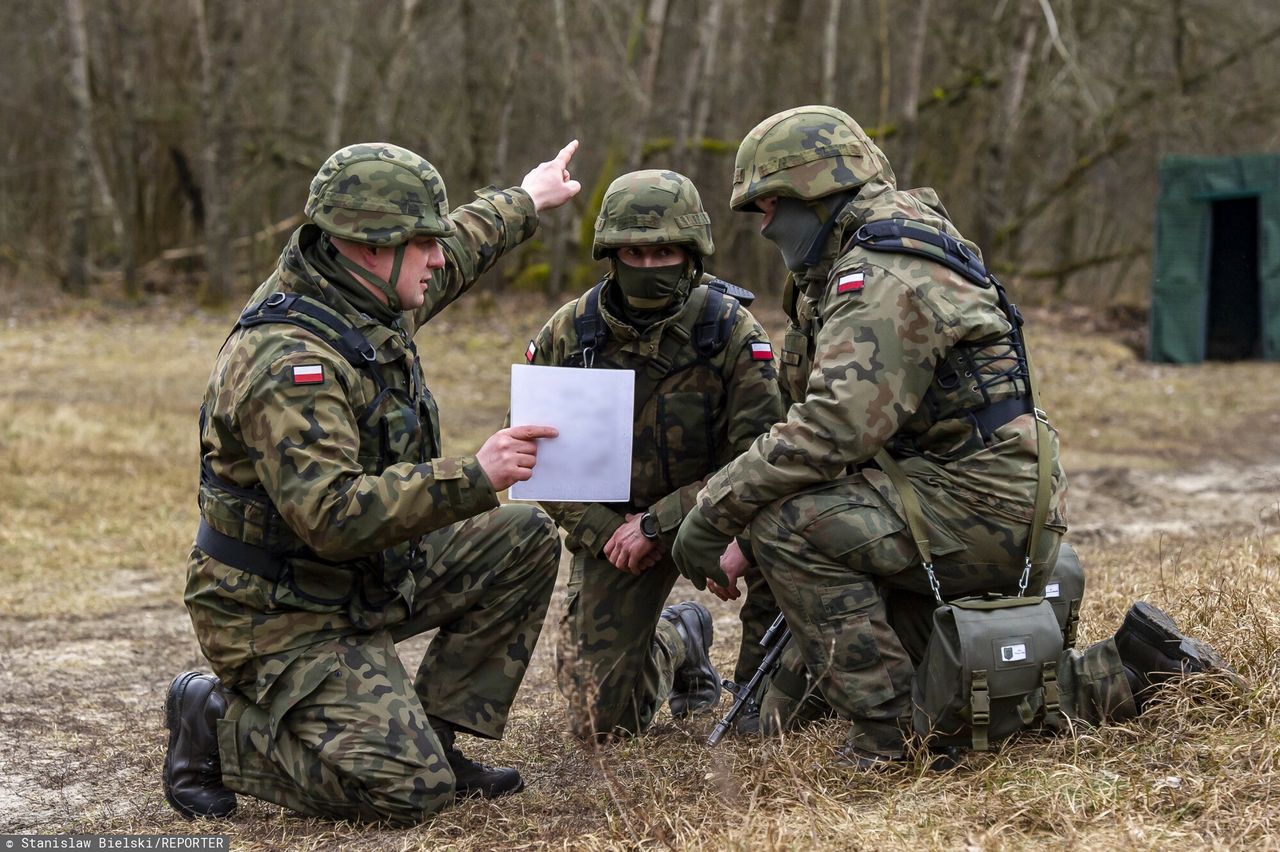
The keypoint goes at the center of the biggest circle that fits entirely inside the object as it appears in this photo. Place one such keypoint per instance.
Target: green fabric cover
(1189, 186)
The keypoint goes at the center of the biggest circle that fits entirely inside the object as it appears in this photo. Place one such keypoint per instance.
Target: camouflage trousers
(847, 575)
(333, 726)
(616, 657)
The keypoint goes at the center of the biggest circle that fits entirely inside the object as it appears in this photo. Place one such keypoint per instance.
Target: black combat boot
(1154, 651)
(192, 769)
(472, 778)
(695, 687)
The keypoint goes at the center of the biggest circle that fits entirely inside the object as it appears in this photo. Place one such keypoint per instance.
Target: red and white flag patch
(308, 374)
(761, 352)
(531, 352)
(850, 283)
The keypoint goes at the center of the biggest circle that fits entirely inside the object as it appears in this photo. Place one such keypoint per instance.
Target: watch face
(648, 526)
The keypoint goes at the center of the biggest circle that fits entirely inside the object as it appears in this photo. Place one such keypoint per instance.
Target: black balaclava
(800, 228)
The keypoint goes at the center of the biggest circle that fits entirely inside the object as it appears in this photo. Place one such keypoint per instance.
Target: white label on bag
(1013, 653)
(1052, 590)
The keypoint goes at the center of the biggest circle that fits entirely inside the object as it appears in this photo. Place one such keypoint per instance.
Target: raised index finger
(566, 153)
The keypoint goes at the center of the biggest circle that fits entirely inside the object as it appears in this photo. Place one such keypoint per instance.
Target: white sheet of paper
(593, 409)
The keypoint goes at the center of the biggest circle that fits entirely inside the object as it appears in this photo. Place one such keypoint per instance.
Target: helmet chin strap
(385, 287)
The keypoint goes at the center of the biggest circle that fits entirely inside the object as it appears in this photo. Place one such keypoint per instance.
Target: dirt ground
(82, 685)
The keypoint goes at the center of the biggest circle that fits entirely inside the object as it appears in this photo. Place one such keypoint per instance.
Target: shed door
(1235, 295)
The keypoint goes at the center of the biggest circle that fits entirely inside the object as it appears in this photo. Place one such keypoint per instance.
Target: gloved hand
(697, 550)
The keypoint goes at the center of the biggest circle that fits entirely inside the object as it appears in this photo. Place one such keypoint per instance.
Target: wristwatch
(649, 526)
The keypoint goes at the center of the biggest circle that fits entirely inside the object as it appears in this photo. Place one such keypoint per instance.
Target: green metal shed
(1215, 290)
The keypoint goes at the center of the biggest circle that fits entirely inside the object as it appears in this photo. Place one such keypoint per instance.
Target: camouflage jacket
(871, 360)
(350, 472)
(698, 417)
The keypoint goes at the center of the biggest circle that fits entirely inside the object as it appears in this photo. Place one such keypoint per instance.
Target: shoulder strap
(908, 237)
(316, 317)
(711, 332)
(589, 325)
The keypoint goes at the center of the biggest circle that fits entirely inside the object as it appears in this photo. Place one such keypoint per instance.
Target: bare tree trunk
(570, 100)
(129, 207)
(995, 163)
(702, 110)
(341, 79)
(886, 65)
(654, 29)
(502, 136)
(76, 280)
(397, 69)
(216, 41)
(830, 52)
(909, 137)
(695, 93)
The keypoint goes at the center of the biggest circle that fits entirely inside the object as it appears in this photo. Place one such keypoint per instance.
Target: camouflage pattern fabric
(862, 364)
(650, 207)
(807, 152)
(379, 194)
(611, 667)
(336, 728)
(305, 454)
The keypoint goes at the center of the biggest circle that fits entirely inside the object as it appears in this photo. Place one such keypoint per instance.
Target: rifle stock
(775, 640)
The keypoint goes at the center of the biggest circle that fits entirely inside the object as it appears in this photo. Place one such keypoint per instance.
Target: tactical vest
(990, 667)
(241, 527)
(690, 342)
(986, 382)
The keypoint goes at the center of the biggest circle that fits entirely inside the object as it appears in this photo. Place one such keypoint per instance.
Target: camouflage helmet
(649, 207)
(379, 194)
(806, 152)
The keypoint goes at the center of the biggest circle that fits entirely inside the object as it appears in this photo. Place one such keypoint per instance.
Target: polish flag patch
(308, 374)
(761, 352)
(531, 352)
(850, 283)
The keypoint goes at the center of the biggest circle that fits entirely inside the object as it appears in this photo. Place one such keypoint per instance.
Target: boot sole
(1195, 656)
(173, 721)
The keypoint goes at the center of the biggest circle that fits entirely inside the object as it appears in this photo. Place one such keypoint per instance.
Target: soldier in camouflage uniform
(893, 353)
(331, 527)
(706, 386)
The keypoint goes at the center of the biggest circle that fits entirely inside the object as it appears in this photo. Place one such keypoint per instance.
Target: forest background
(143, 137)
(156, 154)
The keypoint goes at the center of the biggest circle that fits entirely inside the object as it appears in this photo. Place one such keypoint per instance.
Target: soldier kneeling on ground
(913, 466)
(705, 387)
(331, 528)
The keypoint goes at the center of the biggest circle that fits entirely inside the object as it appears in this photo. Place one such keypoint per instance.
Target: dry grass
(97, 473)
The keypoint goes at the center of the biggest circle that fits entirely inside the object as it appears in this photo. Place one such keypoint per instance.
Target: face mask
(799, 228)
(648, 290)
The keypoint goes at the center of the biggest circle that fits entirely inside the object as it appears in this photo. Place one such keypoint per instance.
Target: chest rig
(242, 528)
(680, 348)
(684, 441)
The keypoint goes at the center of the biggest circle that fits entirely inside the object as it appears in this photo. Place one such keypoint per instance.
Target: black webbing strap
(991, 417)
(291, 308)
(890, 235)
(589, 325)
(237, 554)
(707, 331)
